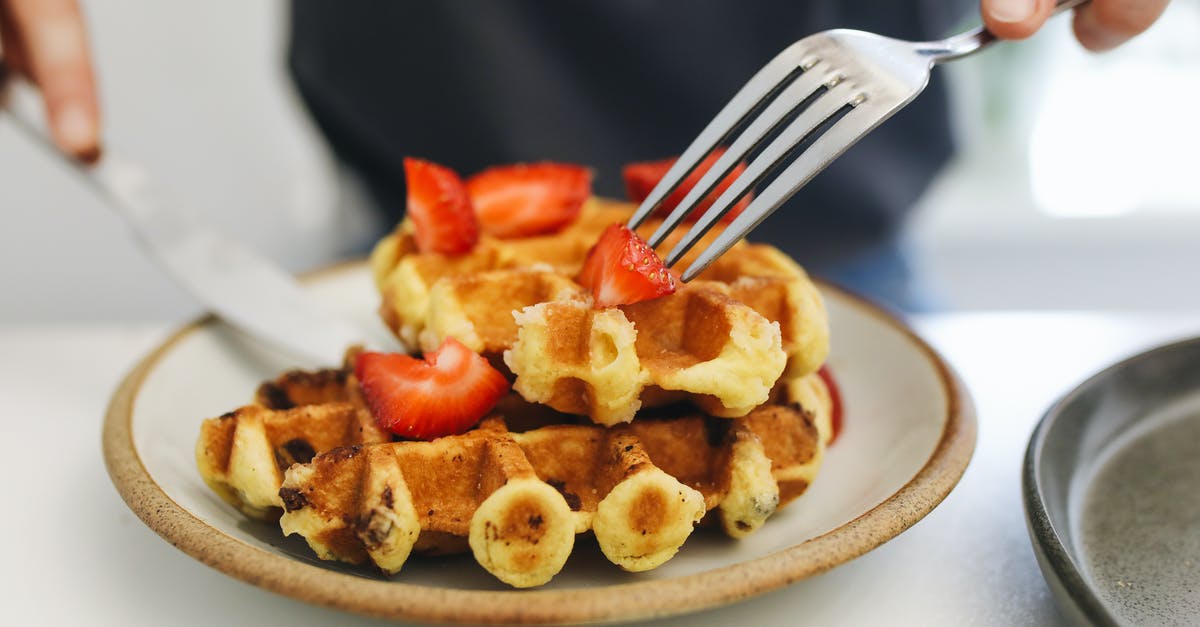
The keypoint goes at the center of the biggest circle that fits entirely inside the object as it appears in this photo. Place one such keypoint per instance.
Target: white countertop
(76, 555)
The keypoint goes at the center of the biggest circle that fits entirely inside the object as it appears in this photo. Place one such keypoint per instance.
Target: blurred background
(1076, 185)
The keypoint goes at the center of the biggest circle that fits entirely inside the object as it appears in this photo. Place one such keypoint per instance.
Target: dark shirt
(478, 83)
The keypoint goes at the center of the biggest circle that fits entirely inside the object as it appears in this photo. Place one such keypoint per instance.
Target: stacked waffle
(515, 499)
(633, 423)
(721, 341)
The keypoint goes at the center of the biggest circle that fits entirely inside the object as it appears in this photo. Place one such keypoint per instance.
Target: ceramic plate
(1112, 492)
(909, 433)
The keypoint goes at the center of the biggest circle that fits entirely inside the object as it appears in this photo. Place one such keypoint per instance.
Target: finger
(55, 47)
(10, 42)
(1106, 24)
(1015, 19)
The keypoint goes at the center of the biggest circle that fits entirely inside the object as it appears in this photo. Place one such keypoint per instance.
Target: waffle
(515, 499)
(519, 499)
(406, 278)
(511, 300)
(731, 419)
(243, 454)
(699, 340)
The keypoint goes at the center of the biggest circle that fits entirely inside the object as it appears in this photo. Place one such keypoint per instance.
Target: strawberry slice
(529, 199)
(641, 177)
(439, 208)
(835, 395)
(445, 393)
(622, 269)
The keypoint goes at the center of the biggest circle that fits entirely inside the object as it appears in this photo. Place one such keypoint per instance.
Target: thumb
(1015, 19)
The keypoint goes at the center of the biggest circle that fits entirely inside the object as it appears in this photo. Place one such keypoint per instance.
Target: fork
(816, 99)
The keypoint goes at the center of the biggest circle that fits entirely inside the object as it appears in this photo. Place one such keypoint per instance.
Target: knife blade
(239, 285)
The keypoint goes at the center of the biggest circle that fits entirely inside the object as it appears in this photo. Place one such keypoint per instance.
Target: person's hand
(1099, 24)
(46, 41)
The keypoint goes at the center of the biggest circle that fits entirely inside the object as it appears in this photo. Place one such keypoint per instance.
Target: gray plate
(1112, 492)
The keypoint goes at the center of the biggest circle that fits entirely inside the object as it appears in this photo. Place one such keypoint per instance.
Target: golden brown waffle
(519, 296)
(243, 454)
(598, 363)
(744, 341)
(406, 278)
(516, 500)
(519, 499)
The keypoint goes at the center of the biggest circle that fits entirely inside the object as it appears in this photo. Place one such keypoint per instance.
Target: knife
(236, 283)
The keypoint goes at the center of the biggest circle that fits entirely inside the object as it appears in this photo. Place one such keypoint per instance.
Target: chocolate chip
(275, 397)
(293, 499)
(571, 498)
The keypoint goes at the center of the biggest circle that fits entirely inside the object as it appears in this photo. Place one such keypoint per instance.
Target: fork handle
(974, 40)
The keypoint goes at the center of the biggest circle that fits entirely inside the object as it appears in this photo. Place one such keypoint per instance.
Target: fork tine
(843, 133)
(761, 86)
(837, 95)
(797, 96)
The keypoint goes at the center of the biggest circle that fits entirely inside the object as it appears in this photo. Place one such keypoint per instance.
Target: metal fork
(816, 99)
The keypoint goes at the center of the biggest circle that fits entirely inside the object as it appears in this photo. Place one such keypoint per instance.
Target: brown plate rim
(637, 600)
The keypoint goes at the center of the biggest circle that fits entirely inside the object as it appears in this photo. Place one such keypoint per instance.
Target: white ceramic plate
(908, 435)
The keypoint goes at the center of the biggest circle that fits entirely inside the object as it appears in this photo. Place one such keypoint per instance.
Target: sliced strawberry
(621, 269)
(445, 393)
(835, 395)
(641, 177)
(529, 199)
(439, 208)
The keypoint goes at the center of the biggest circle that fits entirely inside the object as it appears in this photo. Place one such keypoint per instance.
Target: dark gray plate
(1112, 492)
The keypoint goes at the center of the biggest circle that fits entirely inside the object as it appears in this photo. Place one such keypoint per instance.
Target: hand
(1099, 25)
(46, 41)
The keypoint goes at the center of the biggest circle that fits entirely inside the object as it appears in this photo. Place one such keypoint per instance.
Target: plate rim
(638, 600)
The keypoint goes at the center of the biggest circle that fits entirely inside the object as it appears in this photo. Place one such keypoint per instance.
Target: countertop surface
(78, 555)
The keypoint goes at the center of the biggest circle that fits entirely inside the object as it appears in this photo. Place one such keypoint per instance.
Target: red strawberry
(835, 395)
(621, 269)
(641, 177)
(439, 208)
(445, 393)
(529, 199)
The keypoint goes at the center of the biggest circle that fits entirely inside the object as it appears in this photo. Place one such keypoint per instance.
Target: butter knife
(236, 283)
